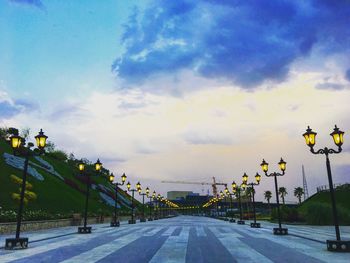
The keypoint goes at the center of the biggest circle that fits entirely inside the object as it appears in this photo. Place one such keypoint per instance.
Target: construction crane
(213, 184)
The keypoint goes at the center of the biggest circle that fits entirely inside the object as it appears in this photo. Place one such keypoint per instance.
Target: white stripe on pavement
(200, 231)
(174, 249)
(169, 231)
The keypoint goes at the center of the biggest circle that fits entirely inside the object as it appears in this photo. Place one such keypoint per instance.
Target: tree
(298, 192)
(268, 195)
(282, 191)
(25, 133)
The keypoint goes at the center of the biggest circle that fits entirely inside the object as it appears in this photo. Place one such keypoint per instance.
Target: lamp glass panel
(15, 141)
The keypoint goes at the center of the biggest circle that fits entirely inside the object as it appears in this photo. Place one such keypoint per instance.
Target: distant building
(178, 195)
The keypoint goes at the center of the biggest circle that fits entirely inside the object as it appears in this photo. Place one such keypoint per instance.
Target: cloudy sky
(181, 90)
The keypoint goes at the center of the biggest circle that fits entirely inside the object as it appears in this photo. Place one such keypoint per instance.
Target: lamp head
(41, 140)
(123, 178)
(16, 141)
(310, 137)
(128, 185)
(98, 165)
(81, 166)
(245, 178)
(282, 165)
(258, 178)
(264, 166)
(338, 136)
(111, 177)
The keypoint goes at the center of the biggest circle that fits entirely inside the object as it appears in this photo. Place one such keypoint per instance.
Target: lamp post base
(115, 224)
(226, 219)
(241, 222)
(16, 243)
(84, 230)
(150, 219)
(142, 220)
(232, 220)
(156, 218)
(255, 225)
(338, 245)
(132, 221)
(280, 231)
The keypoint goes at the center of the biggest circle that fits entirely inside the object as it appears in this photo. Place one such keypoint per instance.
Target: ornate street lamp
(81, 166)
(115, 222)
(237, 190)
(338, 138)
(265, 167)
(252, 184)
(143, 219)
(154, 198)
(128, 185)
(228, 193)
(16, 143)
(150, 197)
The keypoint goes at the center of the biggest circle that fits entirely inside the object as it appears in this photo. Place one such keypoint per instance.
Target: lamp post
(265, 167)
(232, 220)
(17, 143)
(115, 222)
(150, 197)
(252, 184)
(156, 212)
(160, 211)
(223, 197)
(81, 166)
(337, 135)
(128, 185)
(237, 189)
(143, 219)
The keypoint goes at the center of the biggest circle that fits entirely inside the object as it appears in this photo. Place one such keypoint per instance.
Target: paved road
(180, 239)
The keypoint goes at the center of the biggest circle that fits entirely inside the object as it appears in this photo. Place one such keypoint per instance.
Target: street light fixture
(115, 222)
(338, 138)
(265, 167)
(143, 219)
(252, 184)
(81, 166)
(16, 143)
(237, 190)
(150, 197)
(154, 198)
(128, 185)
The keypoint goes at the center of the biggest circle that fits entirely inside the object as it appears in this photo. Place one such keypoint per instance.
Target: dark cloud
(243, 41)
(35, 3)
(347, 74)
(330, 86)
(9, 109)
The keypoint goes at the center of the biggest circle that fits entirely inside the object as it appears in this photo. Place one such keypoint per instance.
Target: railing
(324, 188)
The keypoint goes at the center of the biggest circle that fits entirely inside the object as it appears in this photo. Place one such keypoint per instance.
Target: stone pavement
(179, 239)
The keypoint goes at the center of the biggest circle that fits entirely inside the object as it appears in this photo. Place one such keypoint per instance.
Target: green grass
(53, 195)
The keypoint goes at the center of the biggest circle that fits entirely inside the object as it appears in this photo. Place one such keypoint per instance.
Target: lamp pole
(16, 143)
(237, 189)
(150, 208)
(128, 185)
(115, 222)
(282, 165)
(252, 184)
(156, 212)
(232, 220)
(338, 138)
(143, 219)
(81, 166)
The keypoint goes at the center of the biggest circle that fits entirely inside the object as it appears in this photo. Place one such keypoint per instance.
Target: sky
(182, 90)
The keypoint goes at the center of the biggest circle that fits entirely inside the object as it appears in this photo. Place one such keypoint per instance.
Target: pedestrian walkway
(179, 239)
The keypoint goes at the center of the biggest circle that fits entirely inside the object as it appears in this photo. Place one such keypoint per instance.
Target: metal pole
(231, 206)
(116, 203)
(335, 216)
(132, 207)
(20, 209)
(240, 205)
(254, 204)
(278, 202)
(150, 208)
(87, 200)
(143, 205)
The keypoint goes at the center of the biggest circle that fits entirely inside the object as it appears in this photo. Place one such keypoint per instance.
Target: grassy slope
(53, 194)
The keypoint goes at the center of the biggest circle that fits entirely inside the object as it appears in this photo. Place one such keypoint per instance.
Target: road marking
(200, 231)
(169, 231)
(218, 234)
(174, 249)
(102, 251)
(153, 232)
(239, 251)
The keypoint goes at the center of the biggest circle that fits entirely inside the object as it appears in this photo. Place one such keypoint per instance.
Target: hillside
(57, 185)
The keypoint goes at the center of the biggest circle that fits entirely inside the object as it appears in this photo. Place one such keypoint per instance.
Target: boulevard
(190, 239)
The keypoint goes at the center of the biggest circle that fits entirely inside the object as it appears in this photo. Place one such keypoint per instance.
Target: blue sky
(180, 89)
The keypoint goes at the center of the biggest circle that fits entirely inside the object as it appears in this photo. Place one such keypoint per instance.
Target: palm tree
(282, 191)
(268, 195)
(298, 192)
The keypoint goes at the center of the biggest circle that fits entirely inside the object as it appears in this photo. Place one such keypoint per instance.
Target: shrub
(288, 214)
(15, 179)
(74, 185)
(59, 155)
(321, 214)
